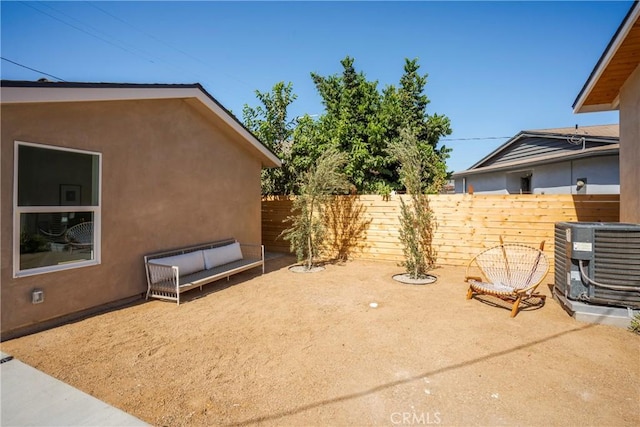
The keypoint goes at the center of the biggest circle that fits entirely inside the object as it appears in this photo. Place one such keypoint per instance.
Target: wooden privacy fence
(466, 223)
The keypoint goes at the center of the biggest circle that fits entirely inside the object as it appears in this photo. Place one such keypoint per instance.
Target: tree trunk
(310, 237)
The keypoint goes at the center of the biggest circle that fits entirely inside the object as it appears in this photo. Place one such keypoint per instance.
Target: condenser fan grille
(617, 262)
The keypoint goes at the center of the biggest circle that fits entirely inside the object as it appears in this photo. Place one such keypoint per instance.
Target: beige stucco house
(614, 84)
(141, 168)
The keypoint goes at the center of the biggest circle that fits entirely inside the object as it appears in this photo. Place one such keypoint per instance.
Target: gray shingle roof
(612, 130)
(601, 140)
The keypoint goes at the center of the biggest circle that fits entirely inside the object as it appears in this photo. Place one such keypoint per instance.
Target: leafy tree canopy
(360, 121)
(271, 124)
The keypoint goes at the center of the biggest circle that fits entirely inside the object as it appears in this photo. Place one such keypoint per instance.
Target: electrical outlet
(37, 296)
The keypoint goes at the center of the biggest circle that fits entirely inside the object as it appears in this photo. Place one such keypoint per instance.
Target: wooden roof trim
(584, 102)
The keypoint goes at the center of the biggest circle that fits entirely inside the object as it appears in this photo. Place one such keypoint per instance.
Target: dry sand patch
(308, 349)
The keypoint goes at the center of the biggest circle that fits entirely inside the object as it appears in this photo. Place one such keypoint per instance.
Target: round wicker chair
(511, 272)
(80, 236)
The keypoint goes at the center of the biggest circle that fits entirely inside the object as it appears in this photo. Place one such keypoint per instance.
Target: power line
(475, 139)
(127, 47)
(32, 69)
(164, 43)
(82, 30)
(94, 33)
(120, 43)
(144, 32)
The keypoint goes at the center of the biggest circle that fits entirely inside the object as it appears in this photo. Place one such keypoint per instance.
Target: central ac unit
(598, 263)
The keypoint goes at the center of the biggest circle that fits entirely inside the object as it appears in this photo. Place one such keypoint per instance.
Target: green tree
(362, 121)
(416, 218)
(405, 108)
(271, 124)
(307, 232)
(359, 121)
(349, 123)
(306, 149)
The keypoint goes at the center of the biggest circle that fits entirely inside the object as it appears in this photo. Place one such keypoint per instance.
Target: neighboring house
(548, 161)
(614, 84)
(141, 168)
(449, 187)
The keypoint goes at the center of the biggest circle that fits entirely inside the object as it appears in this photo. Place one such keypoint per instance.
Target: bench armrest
(162, 275)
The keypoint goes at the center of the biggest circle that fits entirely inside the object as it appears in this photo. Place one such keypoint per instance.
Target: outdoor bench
(170, 273)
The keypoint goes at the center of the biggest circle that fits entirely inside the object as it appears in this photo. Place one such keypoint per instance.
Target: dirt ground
(291, 349)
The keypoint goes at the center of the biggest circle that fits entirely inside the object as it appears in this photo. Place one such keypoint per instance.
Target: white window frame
(19, 210)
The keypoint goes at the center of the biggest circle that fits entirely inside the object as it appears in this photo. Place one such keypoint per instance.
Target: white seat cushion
(188, 263)
(222, 255)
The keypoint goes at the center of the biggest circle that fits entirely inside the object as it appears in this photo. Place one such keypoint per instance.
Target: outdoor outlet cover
(37, 296)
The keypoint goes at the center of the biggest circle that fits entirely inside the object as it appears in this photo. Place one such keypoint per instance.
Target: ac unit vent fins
(617, 262)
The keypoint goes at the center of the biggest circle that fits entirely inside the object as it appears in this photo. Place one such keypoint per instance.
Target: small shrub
(30, 243)
(416, 217)
(307, 232)
(416, 235)
(383, 189)
(635, 324)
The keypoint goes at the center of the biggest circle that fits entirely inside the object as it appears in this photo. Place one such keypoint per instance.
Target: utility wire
(151, 36)
(475, 139)
(98, 31)
(162, 42)
(82, 30)
(121, 44)
(32, 69)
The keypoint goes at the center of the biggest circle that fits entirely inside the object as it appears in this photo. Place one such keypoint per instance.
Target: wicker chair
(80, 236)
(511, 272)
(53, 230)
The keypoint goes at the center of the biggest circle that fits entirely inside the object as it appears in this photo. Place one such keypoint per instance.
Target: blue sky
(494, 68)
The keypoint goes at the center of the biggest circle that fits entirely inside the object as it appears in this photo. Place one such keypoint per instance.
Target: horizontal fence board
(464, 224)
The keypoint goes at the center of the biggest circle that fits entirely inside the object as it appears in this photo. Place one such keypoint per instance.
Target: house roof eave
(541, 133)
(606, 150)
(24, 92)
(580, 104)
(495, 152)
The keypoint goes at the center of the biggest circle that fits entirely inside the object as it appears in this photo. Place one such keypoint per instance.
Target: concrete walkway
(30, 397)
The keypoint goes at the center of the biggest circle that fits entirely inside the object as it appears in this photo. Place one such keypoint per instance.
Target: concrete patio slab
(30, 397)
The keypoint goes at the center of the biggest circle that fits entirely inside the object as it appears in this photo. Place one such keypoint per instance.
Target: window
(519, 182)
(525, 184)
(56, 208)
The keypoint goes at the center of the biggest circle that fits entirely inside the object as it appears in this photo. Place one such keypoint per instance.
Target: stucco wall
(630, 149)
(489, 183)
(170, 177)
(602, 174)
(552, 179)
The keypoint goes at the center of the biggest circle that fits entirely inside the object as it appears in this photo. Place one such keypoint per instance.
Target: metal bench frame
(174, 284)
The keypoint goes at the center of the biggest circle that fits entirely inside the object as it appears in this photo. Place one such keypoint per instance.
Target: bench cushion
(188, 263)
(206, 276)
(222, 255)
